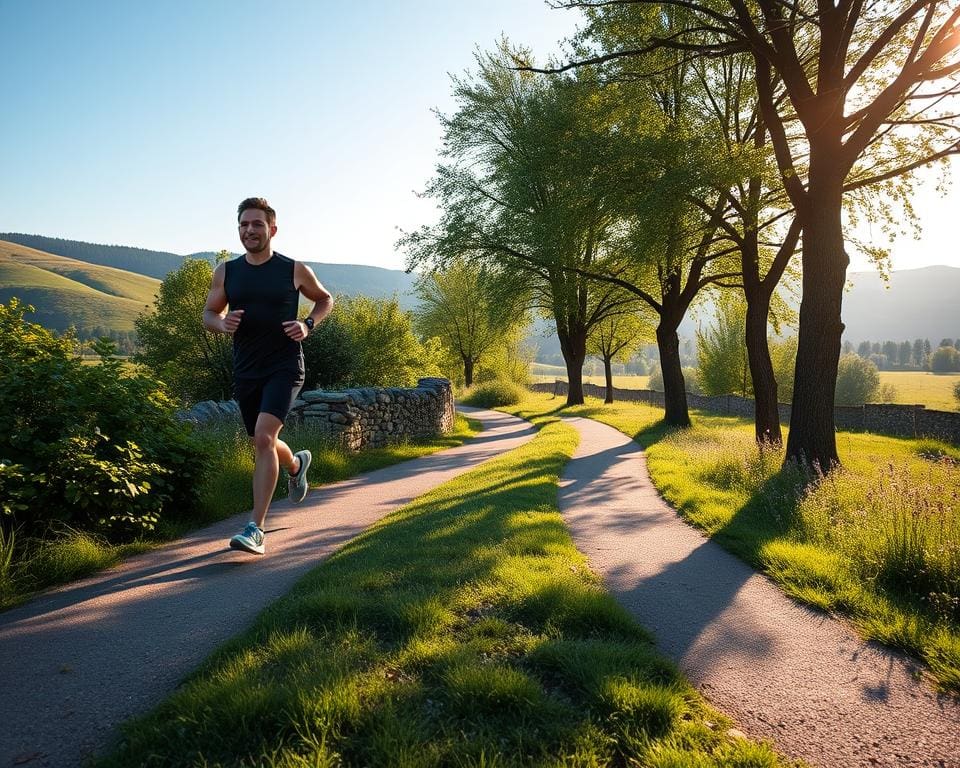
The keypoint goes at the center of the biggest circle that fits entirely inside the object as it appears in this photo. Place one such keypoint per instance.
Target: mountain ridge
(920, 302)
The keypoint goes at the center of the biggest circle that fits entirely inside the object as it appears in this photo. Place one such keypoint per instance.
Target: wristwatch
(309, 323)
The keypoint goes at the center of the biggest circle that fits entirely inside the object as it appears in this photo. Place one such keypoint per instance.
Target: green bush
(89, 445)
(494, 394)
(857, 380)
(956, 392)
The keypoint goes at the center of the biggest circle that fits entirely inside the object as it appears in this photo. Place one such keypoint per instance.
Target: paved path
(783, 672)
(81, 659)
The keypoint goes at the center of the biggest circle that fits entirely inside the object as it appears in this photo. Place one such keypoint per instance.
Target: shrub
(857, 380)
(956, 392)
(494, 394)
(88, 445)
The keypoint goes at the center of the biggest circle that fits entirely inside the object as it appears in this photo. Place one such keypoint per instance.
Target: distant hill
(69, 292)
(340, 279)
(916, 304)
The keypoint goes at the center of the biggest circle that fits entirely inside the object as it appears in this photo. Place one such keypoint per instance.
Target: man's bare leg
(271, 453)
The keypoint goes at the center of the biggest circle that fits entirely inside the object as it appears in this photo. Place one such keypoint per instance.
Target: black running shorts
(272, 394)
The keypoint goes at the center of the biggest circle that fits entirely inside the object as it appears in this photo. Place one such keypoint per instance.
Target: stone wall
(885, 419)
(372, 417)
(358, 418)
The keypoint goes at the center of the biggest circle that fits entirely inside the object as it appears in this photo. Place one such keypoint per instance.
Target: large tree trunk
(574, 349)
(767, 414)
(674, 387)
(812, 439)
(608, 375)
(467, 371)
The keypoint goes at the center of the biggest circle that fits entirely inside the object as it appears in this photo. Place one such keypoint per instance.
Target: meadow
(932, 390)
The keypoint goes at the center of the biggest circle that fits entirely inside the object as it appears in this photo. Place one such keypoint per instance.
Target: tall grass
(877, 540)
(462, 630)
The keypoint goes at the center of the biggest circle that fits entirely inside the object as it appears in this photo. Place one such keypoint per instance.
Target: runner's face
(255, 232)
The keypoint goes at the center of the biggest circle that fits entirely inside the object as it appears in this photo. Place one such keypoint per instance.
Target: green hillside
(68, 292)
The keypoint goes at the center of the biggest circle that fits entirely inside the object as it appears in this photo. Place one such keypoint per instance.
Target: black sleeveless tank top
(268, 296)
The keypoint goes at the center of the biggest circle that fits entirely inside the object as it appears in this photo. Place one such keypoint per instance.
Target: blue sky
(145, 124)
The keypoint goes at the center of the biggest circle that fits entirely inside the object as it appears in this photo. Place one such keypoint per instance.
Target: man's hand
(295, 329)
(231, 321)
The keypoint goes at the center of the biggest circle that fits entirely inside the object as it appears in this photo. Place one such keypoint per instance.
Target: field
(934, 390)
(540, 372)
(69, 292)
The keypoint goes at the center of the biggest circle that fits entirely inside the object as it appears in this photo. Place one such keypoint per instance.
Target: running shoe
(297, 486)
(249, 540)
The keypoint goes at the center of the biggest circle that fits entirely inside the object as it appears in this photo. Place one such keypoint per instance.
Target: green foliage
(858, 380)
(945, 360)
(194, 363)
(471, 310)
(329, 353)
(956, 392)
(386, 352)
(494, 394)
(86, 444)
(722, 354)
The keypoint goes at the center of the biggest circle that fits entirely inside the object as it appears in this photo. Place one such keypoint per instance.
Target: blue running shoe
(297, 486)
(250, 540)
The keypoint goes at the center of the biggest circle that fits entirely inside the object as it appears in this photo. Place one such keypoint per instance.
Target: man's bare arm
(215, 315)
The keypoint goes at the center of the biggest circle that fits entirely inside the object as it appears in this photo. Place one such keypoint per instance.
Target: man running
(262, 291)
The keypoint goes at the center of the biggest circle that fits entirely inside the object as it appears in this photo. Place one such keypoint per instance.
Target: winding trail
(783, 672)
(78, 660)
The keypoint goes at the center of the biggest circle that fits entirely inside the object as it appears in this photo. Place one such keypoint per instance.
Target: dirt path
(783, 672)
(81, 659)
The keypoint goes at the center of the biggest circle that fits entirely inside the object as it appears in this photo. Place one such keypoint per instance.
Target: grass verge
(462, 630)
(877, 541)
(66, 554)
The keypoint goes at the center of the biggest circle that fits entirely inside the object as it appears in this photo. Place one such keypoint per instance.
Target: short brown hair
(260, 204)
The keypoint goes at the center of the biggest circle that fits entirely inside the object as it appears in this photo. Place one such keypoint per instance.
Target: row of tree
(691, 147)
(917, 355)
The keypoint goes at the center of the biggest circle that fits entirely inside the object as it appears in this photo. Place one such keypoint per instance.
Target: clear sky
(144, 124)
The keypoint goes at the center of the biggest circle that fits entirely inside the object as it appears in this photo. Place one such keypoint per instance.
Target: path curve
(781, 671)
(80, 659)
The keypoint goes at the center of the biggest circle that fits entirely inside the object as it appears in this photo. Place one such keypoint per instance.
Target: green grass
(877, 541)
(67, 555)
(462, 630)
(934, 390)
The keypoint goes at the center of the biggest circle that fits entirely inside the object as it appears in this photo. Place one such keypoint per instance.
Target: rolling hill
(340, 279)
(69, 292)
(916, 303)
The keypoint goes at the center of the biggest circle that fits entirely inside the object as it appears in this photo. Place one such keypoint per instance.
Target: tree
(462, 306)
(515, 195)
(857, 381)
(956, 392)
(945, 360)
(329, 353)
(722, 357)
(618, 337)
(891, 351)
(864, 349)
(919, 356)
(784, 356)
(193, 362)
(905, 354)
(861, 79)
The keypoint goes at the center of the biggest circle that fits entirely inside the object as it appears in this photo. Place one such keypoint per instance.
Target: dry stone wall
(371, 417)
(884, 419)
(358, 418)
